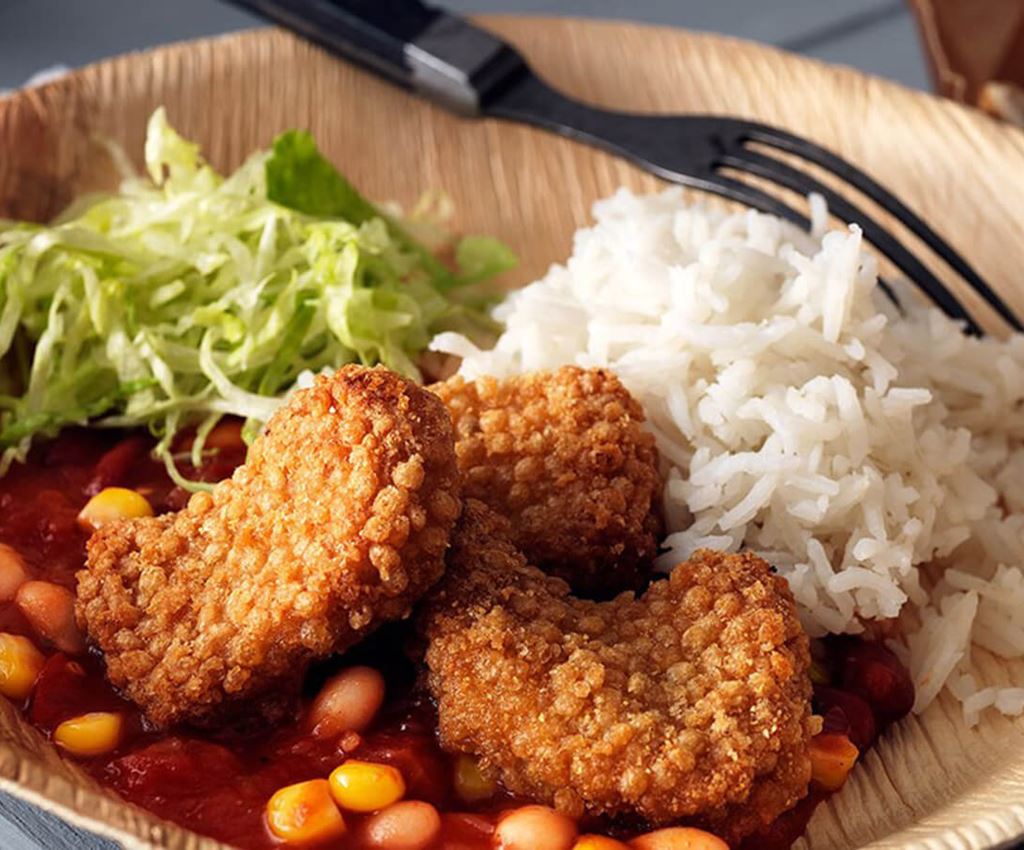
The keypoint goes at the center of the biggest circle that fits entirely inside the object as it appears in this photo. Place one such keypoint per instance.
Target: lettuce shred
(189, 296)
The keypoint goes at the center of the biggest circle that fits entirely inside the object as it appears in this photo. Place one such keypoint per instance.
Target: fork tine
(782, 174)
(806, 149)
(736, 190)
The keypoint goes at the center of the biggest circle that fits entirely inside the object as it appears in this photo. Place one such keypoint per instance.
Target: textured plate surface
(932, 783)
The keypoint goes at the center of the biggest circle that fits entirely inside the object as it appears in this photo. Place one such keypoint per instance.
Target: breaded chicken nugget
(564, 456)
(337, 522)
(689, 702)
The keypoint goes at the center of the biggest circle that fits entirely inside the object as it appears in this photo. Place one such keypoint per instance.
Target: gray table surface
(876, 36)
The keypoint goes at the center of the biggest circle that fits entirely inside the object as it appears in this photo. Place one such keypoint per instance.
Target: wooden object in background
(976, 52)
(931, 783)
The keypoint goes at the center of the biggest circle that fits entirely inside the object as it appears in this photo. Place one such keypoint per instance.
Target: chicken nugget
(564, 456)
(689, 702)
(337, 522)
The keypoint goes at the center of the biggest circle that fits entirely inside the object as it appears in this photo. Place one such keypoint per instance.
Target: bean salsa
(358, 765)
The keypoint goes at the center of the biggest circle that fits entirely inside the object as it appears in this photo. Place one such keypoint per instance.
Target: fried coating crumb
(337, 522)
(689, 702)
(564, 456)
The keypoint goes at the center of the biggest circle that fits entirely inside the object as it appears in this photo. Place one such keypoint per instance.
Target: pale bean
(409, 825)
(535, 828)
(678, 838)
(348, 702)
(226, 435)
(598, 842)
(50, 610)
(13, 572)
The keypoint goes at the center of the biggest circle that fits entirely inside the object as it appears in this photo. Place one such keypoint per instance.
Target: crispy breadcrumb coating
(689, 702)
(564, 456)
(337, 522)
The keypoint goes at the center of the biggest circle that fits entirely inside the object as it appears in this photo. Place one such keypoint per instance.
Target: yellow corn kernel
(362, 786)
(471, 783)
(818, 673)
(113, 503)
(20, 665)
(92, 734)
(832, 758)
(304, 813)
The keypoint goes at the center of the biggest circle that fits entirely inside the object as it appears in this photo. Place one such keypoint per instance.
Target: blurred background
(877, 36)
(971, 50)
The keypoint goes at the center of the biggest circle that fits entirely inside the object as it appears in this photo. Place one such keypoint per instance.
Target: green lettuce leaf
(300, 177)
(190, 295)
(480, 258)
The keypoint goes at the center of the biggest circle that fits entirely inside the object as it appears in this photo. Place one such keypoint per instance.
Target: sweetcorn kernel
(471, 783)
(92, 734)
(20, 665)
(305, 813)
(362, 786)
(111, 504)
(832, 758)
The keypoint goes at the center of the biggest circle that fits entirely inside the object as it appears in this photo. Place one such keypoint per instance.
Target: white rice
(799, 415)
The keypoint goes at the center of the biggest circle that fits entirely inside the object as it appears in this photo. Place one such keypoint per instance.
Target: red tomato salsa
(219, 784)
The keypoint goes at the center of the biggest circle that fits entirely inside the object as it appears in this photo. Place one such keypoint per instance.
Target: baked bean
(846, 713)
(598, 842)
(535, 828)
(871, 669)
(409, 825)
(226, 435)
(13, 572)
(471, 783)
(50, 610)
(348, 702)
(678, 838)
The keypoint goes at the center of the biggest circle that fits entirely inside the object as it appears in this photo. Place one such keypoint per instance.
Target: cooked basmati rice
(800, 415)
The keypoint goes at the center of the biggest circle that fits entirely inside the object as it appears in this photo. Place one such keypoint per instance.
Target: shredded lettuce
(189, 296)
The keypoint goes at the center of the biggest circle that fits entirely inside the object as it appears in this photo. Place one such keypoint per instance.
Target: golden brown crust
(337, 522)
(692, 701)
(564, 456)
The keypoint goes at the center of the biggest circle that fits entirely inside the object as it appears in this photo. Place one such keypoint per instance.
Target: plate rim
(80, 78)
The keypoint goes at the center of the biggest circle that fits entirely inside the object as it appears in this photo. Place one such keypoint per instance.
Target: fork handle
(416, 46)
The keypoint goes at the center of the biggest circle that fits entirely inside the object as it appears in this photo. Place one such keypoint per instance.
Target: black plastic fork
(469, 70)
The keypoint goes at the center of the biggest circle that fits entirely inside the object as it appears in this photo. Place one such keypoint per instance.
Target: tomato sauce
(218, 783)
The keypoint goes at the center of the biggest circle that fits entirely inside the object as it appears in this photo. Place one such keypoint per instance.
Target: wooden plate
(931, 783)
